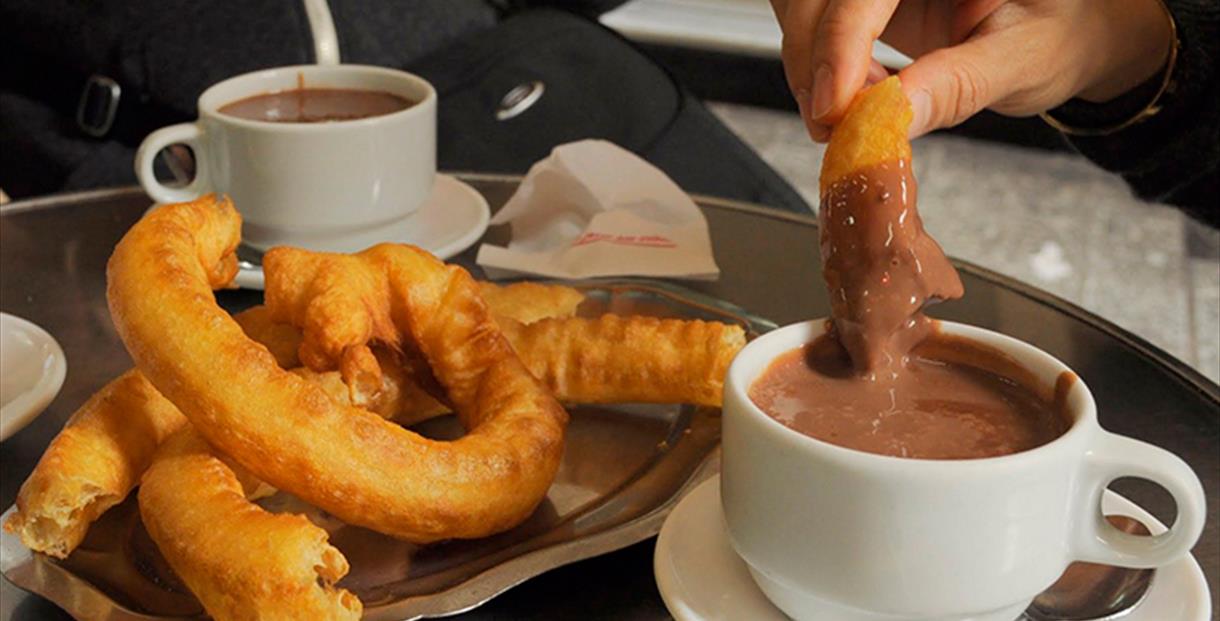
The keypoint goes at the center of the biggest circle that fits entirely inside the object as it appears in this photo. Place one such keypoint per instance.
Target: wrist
(1133, 105)
(1139, 35)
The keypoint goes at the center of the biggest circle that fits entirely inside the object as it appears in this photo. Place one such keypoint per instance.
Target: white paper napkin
(591, 209)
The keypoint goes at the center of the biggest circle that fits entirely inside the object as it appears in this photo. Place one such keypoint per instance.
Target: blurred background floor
(1048, 218)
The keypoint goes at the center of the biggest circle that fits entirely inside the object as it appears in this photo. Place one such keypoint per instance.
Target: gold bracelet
(1153, 107)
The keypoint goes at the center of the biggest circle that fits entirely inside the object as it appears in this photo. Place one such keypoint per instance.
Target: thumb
(949, 85)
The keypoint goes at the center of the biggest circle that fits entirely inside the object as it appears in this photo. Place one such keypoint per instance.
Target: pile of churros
(313, 393)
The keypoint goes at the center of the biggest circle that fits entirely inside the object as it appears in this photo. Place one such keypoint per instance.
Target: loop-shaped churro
(288, 431)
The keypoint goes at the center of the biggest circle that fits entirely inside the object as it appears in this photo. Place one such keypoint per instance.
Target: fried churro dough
(528, 302)
(611, 359)
(108, 443)
(239, 560)
(106, 446)
(92, 464)
(281, 339)
(288, 432)
(629, 359)
(399, 398)
(873, 131)
(525, 302)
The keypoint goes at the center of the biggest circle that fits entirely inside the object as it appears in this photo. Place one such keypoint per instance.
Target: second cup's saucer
(701, 578)
(453, 218)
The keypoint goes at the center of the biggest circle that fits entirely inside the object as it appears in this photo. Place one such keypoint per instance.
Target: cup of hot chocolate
(326, 157)
(969, 501)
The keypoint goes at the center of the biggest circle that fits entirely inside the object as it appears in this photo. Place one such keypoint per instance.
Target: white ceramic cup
(337, 186)
(834, 533)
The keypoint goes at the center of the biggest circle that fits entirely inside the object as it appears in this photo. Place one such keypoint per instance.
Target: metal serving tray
(624, 468)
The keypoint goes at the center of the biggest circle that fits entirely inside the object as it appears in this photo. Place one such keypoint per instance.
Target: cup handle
(1115, 456)
(183, 133)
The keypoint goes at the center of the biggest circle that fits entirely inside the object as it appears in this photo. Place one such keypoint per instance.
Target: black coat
(163, 55)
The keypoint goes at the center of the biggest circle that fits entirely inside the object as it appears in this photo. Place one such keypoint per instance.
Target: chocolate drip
(881, 267)
(881, 379)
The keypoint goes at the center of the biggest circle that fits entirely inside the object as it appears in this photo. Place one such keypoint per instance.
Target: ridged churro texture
(873, 131)
(628, 358)
(528, 302)
(239, 560)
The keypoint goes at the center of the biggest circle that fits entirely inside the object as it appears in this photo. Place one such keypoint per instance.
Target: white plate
(452, 219)
(701, 578)
(32, 369)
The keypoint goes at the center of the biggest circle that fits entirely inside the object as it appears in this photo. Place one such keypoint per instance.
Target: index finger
(842, 52)
(798, 19)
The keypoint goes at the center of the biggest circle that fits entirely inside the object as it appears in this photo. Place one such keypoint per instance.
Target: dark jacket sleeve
(1174, 156)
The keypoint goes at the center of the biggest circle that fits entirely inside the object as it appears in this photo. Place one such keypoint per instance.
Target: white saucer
(32, 369)
(453, 218)
(701, 578)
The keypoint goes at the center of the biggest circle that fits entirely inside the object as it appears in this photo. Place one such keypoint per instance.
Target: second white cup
(337, 186)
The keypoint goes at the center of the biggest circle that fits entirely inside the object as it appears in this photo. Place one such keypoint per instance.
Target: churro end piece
(872, 132)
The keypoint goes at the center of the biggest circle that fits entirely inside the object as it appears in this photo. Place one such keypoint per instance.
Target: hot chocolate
(315, 105)
(953, 399)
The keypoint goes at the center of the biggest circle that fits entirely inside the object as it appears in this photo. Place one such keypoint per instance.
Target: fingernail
(823, 92)
(802, 102)
(876, 73)
(921, 113)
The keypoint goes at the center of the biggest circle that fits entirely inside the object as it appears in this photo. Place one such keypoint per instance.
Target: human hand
(1015, 57)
